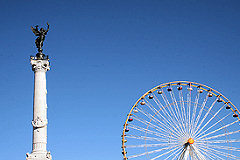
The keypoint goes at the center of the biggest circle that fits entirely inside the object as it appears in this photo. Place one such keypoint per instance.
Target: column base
(39, 156)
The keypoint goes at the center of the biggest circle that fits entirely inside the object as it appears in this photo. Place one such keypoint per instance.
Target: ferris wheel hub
(190, 140)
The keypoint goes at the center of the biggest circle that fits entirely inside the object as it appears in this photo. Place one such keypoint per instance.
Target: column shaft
(40, 112)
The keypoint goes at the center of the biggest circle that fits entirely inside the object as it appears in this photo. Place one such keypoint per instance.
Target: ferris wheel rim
(175, 83)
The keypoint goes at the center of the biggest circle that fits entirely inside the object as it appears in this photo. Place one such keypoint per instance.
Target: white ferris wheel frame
(189, 151)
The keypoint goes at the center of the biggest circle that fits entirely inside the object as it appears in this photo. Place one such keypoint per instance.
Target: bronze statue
(41, 37)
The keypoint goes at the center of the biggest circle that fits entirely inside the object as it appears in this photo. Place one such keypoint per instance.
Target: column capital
(40, 64)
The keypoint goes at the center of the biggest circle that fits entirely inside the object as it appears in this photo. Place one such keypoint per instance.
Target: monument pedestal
(39, 156)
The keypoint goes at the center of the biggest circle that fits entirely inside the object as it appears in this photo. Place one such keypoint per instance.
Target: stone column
(40, 65)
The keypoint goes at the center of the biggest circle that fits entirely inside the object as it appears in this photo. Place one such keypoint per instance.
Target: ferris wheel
(182, 121)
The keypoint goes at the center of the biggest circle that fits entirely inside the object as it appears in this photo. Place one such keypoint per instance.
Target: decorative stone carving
(49, 155)
(38, 122)
(39, 156)
(39, 65)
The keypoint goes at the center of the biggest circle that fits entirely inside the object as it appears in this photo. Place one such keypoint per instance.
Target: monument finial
(39, 41)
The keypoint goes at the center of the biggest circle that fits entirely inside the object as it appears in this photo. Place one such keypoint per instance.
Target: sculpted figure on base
(41, 37)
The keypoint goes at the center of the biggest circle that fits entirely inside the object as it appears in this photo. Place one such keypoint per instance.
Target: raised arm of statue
(48, 26)
(35, 30)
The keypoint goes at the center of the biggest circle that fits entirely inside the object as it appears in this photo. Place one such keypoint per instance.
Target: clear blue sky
(104, 55)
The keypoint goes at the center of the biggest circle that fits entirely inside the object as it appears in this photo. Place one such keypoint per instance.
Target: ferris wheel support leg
(186, 154)
(199, 155)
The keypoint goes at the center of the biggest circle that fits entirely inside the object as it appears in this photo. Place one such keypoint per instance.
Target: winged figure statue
(41, 36)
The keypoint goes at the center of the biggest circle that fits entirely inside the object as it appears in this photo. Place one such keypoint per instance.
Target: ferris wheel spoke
(223, 127)
(148, 123)
(157, 101)
(178, 153)
(219, 141)
(210, 156)
(209, 153)
(151, 117)
(170, 123)
(223, 153)
(147, 138)
(145, 130)
(172, 114)
(197, 152)
(150, 145)
(174, 153)
(165, 153)
(213, 125)
(196, 133)
(194, 111)
(151, 152)
(183, 112)
(224, 147)
(161, 117)
(189, 100)
(221, 135)
(206, 154)
(159, 123)
(200, 112)
(177, 111)
(167, 128)
(205, 116)
(155, 111)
